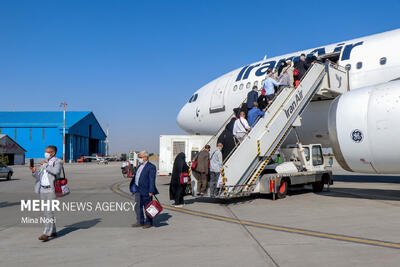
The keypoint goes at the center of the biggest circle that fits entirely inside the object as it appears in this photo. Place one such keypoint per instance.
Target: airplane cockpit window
(241, 86)
(348, 67)
(359, 65)
(235, 88)
(193, 98)
(382, 61)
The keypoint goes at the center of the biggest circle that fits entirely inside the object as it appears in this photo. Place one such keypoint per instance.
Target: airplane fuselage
(370, 60)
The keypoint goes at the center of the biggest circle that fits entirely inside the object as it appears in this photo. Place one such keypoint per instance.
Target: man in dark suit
(252, 97)
(302, 66)
(143, 185)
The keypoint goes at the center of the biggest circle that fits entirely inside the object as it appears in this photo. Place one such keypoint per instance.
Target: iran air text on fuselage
(261, 68)
(289, 111)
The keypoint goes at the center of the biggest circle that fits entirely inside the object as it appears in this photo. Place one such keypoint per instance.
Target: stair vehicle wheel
(282, 189)
(318, 186)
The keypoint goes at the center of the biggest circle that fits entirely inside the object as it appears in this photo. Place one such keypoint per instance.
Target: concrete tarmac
(354, 224)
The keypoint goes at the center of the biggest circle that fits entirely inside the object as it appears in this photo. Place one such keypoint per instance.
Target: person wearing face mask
(215, 169)
(49, 171)
(143, 185)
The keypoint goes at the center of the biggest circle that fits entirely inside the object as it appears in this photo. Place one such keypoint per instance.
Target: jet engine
(364, 129)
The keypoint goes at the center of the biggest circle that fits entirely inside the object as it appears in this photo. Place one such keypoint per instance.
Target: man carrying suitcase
(143, 185)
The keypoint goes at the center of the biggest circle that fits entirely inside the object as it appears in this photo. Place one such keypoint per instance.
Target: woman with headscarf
(227, 139)
(176, 189)
(262, 100)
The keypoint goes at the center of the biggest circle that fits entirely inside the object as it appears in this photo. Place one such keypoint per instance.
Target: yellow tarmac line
(339, 237)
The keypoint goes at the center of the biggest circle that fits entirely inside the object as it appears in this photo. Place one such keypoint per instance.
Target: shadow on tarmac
(348, 192)
(341, 192)
(9, 204)
(12, 179)
(77, 226)
(363, 193)
(162, 219)
(367, 179)
(233, 201)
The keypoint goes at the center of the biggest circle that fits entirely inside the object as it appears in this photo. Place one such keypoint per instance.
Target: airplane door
(217, 103)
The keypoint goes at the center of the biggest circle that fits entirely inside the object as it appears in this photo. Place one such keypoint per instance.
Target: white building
(10, 151)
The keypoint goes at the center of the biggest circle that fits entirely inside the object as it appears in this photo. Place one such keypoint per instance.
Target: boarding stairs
(243, 167)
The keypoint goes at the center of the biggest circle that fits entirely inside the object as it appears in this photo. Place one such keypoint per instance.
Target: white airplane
(364, 128)
(99, 159)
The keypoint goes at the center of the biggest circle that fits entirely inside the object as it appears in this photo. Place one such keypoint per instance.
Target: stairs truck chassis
(278, 184)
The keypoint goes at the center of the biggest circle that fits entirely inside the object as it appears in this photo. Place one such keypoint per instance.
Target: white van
(172, 145)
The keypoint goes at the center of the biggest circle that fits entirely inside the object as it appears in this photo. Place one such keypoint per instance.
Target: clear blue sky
(135, 63)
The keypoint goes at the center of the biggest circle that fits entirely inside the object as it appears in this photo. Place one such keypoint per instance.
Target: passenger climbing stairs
(243, 167)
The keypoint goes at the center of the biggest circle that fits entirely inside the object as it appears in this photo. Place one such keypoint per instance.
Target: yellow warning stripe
(267, 159)
(223, 180)
(360, 240)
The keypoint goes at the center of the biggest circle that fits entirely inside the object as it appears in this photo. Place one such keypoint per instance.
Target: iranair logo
(295, 103)
(260, 69)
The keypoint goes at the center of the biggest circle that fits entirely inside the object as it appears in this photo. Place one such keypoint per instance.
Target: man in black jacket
(252, 97)
(302, 66)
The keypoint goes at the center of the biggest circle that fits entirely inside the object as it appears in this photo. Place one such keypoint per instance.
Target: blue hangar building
(36, 130)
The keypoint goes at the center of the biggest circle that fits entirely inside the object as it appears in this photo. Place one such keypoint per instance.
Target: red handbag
(296, 72)
(184, 178)
(61, 186)
(194, 165)
(154, 208)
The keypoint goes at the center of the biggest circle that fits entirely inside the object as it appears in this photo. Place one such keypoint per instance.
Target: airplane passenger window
(348, 67)
(382, 61)
(248, 85)
(262, 82)
(241, 86)
(255, 83)
(359, 65)
(235, 88)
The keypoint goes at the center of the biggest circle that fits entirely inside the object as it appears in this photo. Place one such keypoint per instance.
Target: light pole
(64, 104)
(107, 145)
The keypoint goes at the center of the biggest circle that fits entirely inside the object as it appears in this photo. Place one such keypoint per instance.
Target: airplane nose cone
(183, 119)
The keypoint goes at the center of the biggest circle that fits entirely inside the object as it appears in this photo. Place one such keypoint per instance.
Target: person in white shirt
(49, 171)
(241, 127)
